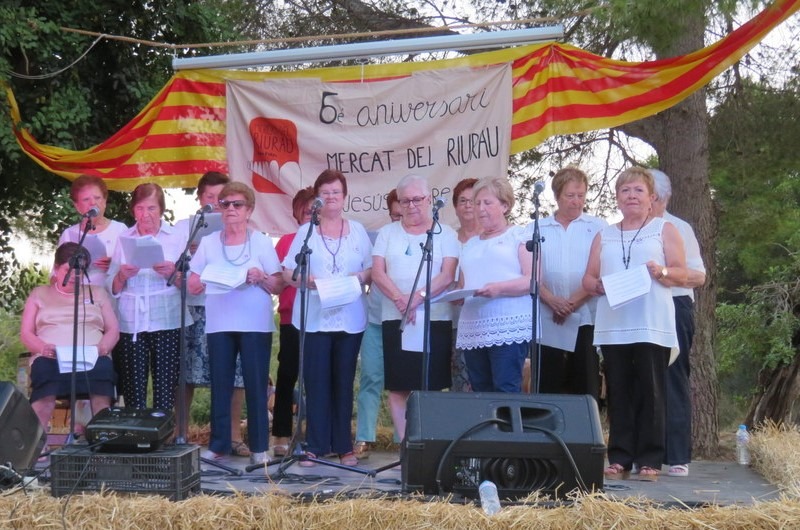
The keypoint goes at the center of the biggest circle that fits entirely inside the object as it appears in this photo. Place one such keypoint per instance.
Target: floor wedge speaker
(22, 437)
(521, 442)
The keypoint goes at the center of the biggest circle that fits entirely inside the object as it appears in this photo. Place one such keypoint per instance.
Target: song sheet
(142, 252)
(626, 285)
(86, 358)
(337, 291)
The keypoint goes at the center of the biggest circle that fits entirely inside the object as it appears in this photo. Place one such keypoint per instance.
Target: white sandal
(679, 470)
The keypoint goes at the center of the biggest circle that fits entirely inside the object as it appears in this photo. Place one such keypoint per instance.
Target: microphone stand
(296, 451)
(427, 260)
(182, 267)
(77, 263)
(534, 246)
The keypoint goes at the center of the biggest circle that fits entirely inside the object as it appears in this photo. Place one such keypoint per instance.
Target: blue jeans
(370, 387)
(254, 348)
(496, 368)
(329, 369)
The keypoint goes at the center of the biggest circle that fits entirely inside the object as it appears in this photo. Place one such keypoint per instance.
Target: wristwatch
(664, 272)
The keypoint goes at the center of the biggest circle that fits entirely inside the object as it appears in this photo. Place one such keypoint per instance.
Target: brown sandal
(239, 449)
(616, 472)
(648, 474)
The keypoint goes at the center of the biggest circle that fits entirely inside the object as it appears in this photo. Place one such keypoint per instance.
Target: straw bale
(775, 451)
(275, 511)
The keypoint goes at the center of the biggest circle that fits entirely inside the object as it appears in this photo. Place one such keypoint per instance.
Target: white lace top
(493, 321)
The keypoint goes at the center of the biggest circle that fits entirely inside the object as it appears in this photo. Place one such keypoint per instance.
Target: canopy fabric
(557, 89)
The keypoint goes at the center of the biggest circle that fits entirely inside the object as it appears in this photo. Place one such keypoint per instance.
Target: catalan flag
(557, 89)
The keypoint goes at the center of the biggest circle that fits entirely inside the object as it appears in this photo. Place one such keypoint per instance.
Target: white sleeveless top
(649, 318)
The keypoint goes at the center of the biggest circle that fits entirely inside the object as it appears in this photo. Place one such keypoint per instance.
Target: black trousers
(679, 395)
(288, 368)
(636, 378)
(572, 372)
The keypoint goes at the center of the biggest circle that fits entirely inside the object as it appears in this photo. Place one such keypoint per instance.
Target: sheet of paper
(338, 291)
(213, 223)
(86, 358)
(626, 285)
(414, 334)
(222, 277)
(96, 248)
(142, 252)
(455, 294)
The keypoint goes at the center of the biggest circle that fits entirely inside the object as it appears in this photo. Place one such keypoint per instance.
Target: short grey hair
(408, 180)
(663, 187)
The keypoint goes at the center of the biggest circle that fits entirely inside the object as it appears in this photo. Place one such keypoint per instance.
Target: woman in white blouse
(494, 328)
(87, 192)
(395, 261)
(239, 319)
(340, 248)
(569, 361)
(149, 310)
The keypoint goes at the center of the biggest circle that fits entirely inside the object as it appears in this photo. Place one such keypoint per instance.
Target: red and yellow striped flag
(557, 89)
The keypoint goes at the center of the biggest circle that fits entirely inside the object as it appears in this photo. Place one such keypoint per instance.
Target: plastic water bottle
(742, 449)
(490, 501)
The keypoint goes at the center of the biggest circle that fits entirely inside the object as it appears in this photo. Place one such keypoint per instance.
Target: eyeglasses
(416, 201)
(333, 193)
(463, 201)
(223, 204)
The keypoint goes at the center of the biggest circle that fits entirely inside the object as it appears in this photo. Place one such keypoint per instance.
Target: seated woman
(47, 322)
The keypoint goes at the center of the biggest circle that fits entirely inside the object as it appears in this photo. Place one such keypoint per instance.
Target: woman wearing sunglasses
(239, 317)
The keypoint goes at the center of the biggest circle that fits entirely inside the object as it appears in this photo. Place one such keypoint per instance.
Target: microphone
(538, 188)
(438, 204)
(94, 211)
(315, 207)
(208, 208)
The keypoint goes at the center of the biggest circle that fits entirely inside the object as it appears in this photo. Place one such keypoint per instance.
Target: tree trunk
(780, 387)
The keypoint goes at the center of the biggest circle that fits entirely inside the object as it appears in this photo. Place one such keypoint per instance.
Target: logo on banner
(276, 155)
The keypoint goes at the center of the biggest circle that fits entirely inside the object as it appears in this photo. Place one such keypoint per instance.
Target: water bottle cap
(742, 427)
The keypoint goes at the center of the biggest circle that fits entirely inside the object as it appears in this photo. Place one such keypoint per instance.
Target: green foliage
(756, 179)
(74, 91)
(10, 346)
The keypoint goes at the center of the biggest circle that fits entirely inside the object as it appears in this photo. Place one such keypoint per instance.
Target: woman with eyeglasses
(340, 248)
(468, 226)
(149, 309)
(239, 318)
(198, 373)
(495, 324)
(395, 261)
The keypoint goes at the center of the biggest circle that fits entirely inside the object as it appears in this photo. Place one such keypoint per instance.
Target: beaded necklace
(244, 254)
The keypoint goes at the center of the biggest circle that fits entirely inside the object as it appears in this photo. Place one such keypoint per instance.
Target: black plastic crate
(172, 471)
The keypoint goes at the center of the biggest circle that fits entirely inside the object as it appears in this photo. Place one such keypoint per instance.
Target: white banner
(446, 125)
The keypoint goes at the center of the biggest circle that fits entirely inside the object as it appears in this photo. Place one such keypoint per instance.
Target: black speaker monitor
(521, 442)
(22, 437)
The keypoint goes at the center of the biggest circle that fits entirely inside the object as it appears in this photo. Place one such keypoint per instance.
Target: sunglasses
(223, 204)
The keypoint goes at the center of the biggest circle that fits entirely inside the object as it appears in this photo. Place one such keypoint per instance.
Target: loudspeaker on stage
(521, 442)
